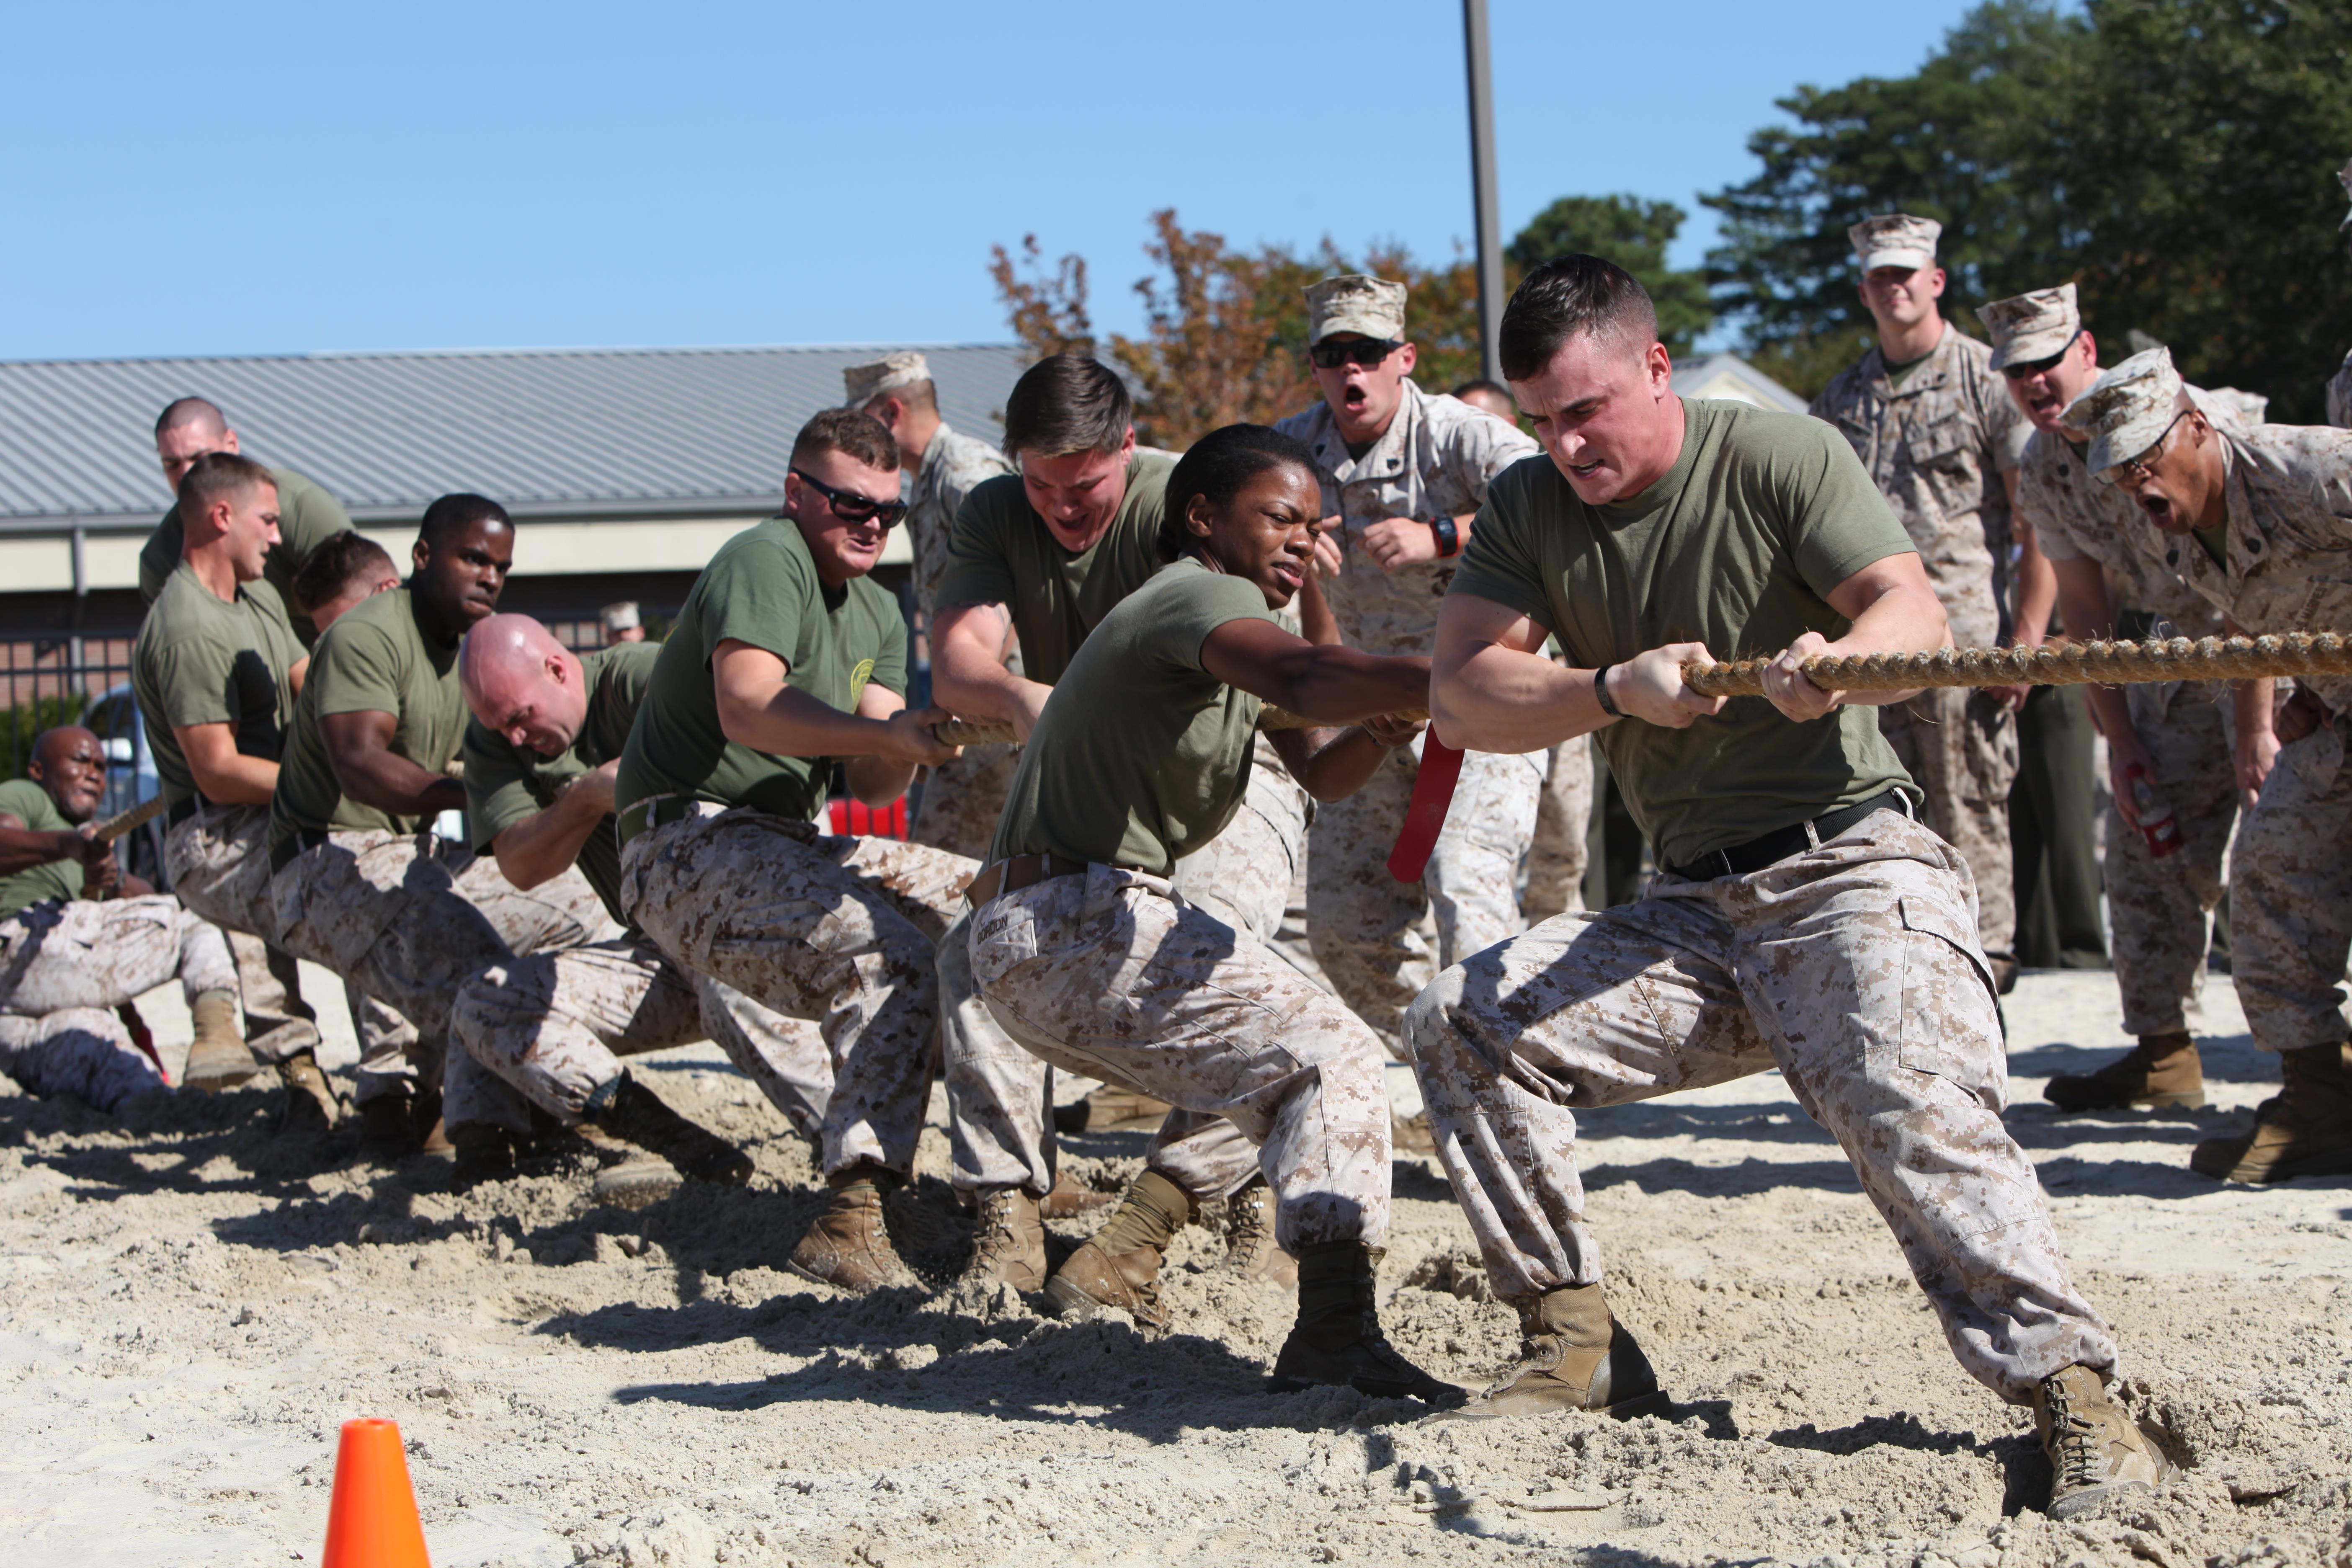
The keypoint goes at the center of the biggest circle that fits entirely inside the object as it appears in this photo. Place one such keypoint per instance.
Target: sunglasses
(2136, 470)
(851, 507)
(2035, 367)
(1330, 355)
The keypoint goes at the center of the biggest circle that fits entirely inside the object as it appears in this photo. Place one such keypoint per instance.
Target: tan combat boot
(311, 1106)
(388, 1128)
(484, 1152)
(1119, 1266)
(2305, 1130)
(627, 1108)
(219, 1059)
(1577, 1356)
(1068, 1199)
(1251, 1250)
(1008, 1240)
(848, 1243)
(1337, 1339)
(2162, 1070)
(1124, 1109)
(2096, 1451)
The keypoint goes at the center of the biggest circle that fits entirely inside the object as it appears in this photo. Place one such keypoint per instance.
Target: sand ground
(188, 1309)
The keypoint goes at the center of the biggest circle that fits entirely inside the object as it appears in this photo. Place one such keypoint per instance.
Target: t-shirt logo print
(858, 678)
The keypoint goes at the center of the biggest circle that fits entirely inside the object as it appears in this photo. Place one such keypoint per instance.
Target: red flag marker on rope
(1425, 819)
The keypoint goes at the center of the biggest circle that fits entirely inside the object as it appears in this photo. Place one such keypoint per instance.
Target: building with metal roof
(624, 469)
(1726, 376)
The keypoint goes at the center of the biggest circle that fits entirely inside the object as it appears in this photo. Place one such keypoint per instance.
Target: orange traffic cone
(372, 1521)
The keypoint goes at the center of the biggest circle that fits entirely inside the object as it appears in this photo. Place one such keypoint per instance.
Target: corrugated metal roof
(567, 433)
(1729, 375)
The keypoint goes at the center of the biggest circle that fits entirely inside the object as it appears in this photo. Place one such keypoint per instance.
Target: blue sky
(251, 178)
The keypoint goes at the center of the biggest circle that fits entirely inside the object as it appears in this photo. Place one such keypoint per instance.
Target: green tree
(1633, 233)
(2173, 158)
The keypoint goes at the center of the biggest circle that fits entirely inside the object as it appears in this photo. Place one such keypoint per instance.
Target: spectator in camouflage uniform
(68, 961)
(1045, 554)
(1090, 957)
(1941, 439)
(784, 658)
(2173, 740)
(1801, 919)
(960, 798)
(541, 754)
(1403, 474)
(215, 669)
(2259, 521)
(357, 881)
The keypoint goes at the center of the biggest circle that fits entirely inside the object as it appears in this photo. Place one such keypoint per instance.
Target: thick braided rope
(2105, 663)
(965, 732)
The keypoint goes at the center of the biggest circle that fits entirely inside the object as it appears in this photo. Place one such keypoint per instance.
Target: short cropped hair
(214, 478)
(452, 514)
(190, 411)
(1216, 467)
(849, 432)
(1066, 403)
(923, 394)
(1573, 296)
(341, 560)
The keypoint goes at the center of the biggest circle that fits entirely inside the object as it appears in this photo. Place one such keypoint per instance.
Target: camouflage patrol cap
(864, 383)
(1355, 304)
(2029, 327)
(2127, 410)
(1896, 239)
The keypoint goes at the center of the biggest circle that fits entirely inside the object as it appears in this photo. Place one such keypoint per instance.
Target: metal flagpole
(1482, 184)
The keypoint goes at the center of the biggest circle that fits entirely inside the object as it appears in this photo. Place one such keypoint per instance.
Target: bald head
(69, 762)
(188, 428)
(522, 684)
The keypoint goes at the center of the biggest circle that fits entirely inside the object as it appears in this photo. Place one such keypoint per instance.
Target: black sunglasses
(1330, 355)
(851, 507)
(2035, 367)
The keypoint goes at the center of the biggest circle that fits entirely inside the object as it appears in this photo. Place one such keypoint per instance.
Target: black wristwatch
(1601, 691)
(1449, 538)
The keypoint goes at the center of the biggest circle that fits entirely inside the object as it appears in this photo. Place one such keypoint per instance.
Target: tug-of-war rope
(2076, 664)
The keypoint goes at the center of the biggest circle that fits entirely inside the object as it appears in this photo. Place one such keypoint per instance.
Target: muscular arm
(543, 846)
(222, 774)
(299, 673)
(367, 770)
(756, 709)
(1329, 683)
(1890, 608)
(2089, 609)
(878, 780)
(1492, 690)
(968, 673)
(21, 850)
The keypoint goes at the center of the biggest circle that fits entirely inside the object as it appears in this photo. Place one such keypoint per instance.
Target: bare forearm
(878, 781)
(391, 783)
(544, 845)
(1339, 685)
(1317, 623)
(791, 723)
(990, 691)
(235, 779)
(2037, 595)
(1500, 699)
(21, 850)
(2253, 703)
(1336, 763)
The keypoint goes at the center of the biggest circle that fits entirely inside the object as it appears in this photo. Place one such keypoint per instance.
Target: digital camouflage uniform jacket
(1936, 446)
(951, 465)
(1435, 459)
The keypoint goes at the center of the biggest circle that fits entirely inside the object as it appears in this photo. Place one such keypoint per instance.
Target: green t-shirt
(374, 660)
(505, 782)
(200, 660)
(1141, 755)
(306, 518)
(2216, 540)
(763, 589)
(30, 804)
(1001, 553)
(1762, 515)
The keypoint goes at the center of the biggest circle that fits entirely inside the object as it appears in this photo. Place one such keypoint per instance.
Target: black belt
(1777, 845)
(285, 850)
(182, 811)
(1018, 871)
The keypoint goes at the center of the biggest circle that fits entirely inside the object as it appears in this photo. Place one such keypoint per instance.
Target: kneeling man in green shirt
(1089, 955)
(1803, 917)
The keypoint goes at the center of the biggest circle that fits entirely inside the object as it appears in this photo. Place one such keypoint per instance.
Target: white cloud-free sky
(261, 178)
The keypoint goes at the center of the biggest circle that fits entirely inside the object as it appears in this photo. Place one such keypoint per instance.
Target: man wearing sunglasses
(2172, 741)
(961, 799)
(1403, 473)
(2259, 521)
(786, 658)
(1933, 425)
